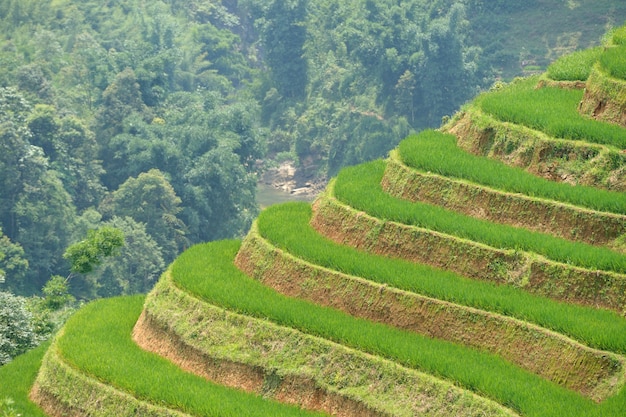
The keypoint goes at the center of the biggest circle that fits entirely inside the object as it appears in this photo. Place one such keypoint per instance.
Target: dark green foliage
(85, 255)
(16, 332)
(138, 265)
(447, 80)
(151, 200)
(13, 265)
(283, 33)
(93, 103)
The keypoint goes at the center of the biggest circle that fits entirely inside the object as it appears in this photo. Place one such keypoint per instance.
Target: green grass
(550, 110)
(359, 187)
(613, 61)
(17, 378)
(619, 36)
(437, 152)
(97, 340)
(287, 227)
(575, 66)
(207, 271)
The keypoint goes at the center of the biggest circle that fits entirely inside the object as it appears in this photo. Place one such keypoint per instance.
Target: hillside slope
(479, 271)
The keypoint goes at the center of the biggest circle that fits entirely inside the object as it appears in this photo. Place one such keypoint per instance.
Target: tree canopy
(157, 116)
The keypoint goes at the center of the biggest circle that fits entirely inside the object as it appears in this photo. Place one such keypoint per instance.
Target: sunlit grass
(359, 187)
(287, 227)
(550, 110)
(575, 66)
(207, 271)
(437, 152)
(97, 340)
(619, 36)
(613, 61)
(17, 378)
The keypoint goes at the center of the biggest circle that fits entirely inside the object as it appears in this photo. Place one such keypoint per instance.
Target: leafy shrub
(7, 409)
(575, 66)
(16, 332)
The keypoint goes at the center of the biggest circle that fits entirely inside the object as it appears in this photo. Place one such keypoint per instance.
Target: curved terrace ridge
(294, 367)
(93, 368)
(555, 358)
(605, 98)
(559, 160)
(344, 224)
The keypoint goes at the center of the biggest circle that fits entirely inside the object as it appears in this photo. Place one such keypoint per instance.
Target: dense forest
(154, 118)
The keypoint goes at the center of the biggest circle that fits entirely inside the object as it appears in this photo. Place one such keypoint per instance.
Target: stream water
(267, 195)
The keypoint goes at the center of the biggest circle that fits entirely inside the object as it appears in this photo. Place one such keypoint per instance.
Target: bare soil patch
(604, 98)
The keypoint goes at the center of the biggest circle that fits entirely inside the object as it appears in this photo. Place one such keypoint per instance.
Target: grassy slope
(360, 188)
(287, 226)
(437, 152)
(17, 378)
(97, 340)
(207, 270)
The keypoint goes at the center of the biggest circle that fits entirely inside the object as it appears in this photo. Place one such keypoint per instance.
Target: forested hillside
(153, 118)
(478, 270)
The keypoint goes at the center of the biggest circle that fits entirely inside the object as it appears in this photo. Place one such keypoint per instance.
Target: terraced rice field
(480, 270)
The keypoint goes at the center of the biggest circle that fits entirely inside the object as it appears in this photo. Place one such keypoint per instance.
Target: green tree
(120, 99)
(43, 125)
(45, 217)
(17, 156)
(150, 199)
(56, 293)
(283, 34)
(13, 264)
(100, 243)
(32, 79)
(447, 80)
(405, 90)
(16, 331)
(76, 161)
(136, 268)
(219, 194)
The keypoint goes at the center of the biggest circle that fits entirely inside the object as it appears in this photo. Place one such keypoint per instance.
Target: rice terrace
(479, 270)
